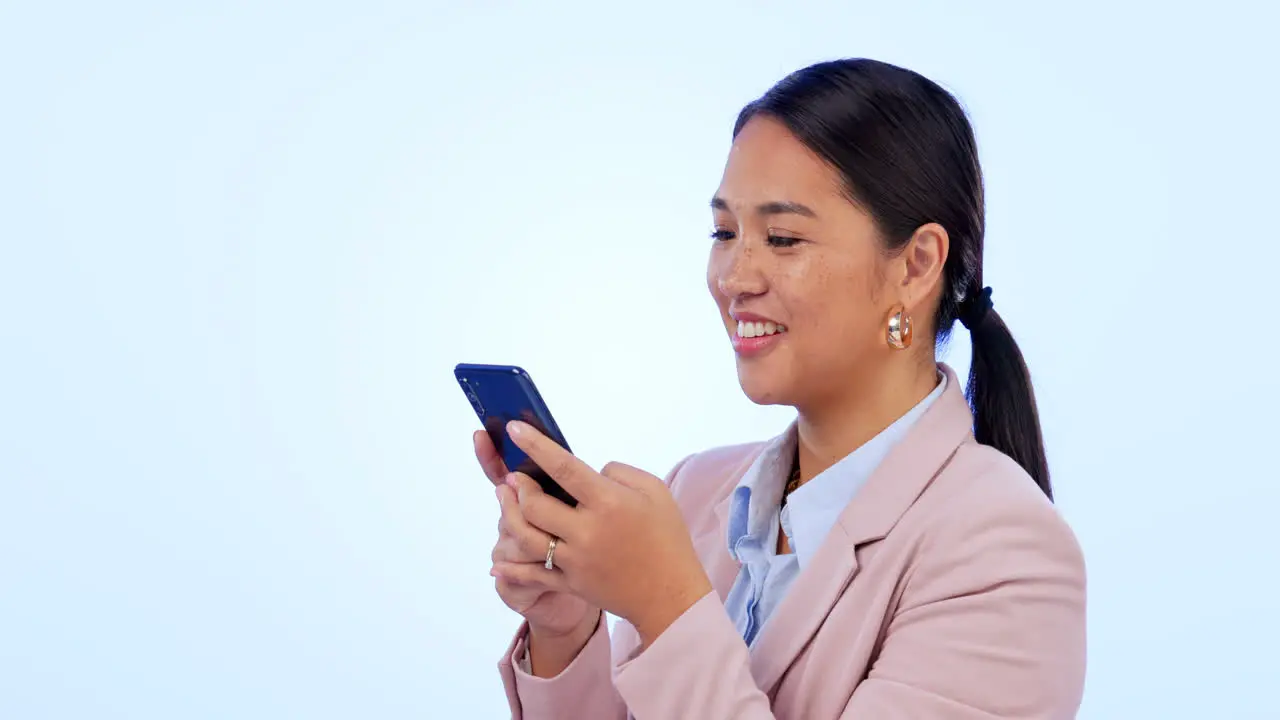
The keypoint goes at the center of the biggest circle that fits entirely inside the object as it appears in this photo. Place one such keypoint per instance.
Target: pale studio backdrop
(243, 244)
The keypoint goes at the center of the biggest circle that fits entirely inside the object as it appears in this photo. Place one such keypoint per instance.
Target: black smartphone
(500, 394)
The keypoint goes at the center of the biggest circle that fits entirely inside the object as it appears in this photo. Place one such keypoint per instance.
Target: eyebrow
(777, 207)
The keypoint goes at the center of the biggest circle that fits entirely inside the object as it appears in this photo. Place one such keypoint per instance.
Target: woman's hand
(625, 547)
(555, 618)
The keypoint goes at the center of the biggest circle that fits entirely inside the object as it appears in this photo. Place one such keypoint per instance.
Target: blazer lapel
(892, 488)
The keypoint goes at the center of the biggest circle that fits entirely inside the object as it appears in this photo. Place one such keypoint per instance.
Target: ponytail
(1001, 396)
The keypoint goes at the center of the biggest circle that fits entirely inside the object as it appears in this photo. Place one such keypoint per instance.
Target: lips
(755, 334)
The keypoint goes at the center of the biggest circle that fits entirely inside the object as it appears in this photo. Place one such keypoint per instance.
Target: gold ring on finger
(550, 564)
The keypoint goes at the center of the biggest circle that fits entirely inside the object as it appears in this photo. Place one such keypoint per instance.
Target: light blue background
(242, 245)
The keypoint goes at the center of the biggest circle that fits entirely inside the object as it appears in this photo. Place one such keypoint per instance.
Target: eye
(720, 235)
(781, 241)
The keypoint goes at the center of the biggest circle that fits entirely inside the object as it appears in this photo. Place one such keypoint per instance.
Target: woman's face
(799, 272)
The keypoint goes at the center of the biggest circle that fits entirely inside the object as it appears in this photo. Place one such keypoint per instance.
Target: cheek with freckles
(831, 313)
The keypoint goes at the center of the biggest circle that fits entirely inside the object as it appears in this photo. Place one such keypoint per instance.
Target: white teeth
(759, 329)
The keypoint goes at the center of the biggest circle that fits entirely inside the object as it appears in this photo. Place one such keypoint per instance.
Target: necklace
(793, 481)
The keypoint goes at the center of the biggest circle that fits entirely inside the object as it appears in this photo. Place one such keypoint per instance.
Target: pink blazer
(950, 588)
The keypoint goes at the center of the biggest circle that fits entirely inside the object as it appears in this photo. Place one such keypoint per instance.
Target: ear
(922, 261)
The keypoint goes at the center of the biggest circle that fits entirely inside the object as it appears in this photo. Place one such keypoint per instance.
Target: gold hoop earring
(898, 333)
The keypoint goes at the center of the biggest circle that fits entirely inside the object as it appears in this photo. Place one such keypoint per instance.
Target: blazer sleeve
(582, 690)
(585, 689)
(698, 669)
(991, 625)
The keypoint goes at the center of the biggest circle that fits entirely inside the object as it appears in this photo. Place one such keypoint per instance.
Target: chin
(761, 386)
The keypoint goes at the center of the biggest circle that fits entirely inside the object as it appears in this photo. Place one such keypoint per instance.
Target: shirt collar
(813, 508)
(753, 510)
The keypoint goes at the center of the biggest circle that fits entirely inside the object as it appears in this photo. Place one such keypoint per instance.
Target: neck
(840, 424)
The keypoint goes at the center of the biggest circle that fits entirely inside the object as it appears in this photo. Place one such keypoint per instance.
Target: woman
(894, 553)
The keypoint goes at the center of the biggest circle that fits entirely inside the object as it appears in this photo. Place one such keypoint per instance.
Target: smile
(754, 338)
(759, 329)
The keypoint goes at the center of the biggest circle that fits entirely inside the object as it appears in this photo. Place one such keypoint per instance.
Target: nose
(738, 273)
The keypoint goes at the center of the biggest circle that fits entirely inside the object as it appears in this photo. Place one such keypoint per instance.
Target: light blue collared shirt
(810, 513)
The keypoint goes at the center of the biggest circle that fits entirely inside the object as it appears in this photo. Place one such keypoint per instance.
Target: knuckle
(530, 509)
(607, 502)
(522, 550)
(518, 544)
(531, 546)
(504, 551)
(563, 466)
(512, 546)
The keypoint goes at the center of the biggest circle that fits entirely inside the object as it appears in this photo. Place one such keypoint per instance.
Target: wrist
(584, 629)
(661, 614)
(550, 652)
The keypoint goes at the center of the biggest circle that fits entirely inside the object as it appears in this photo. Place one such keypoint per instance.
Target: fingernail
(515, 427)
(510, 480)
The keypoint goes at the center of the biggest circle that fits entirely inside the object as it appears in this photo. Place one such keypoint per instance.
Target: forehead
(768, 163)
